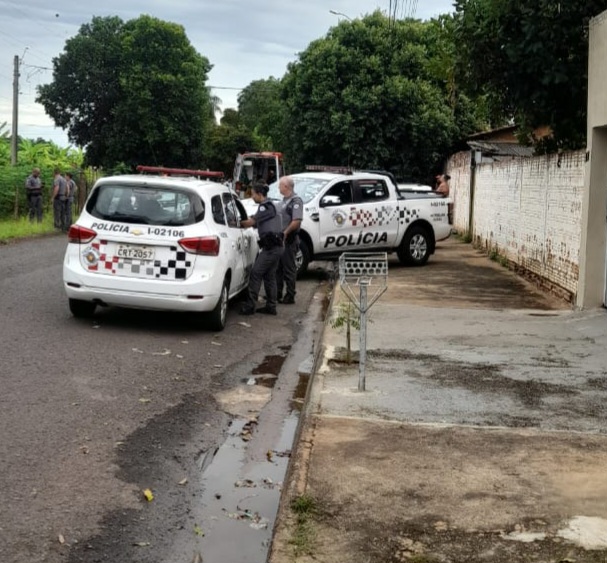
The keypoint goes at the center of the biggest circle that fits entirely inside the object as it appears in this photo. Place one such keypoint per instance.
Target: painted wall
(591, 291)
(529, 210)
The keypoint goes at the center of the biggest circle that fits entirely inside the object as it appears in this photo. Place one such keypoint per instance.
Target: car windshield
(148, 205)
(306, 187)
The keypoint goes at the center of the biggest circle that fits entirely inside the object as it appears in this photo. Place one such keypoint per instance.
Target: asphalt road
(93, 412)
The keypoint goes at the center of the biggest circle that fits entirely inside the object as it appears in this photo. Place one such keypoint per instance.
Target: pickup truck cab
(366, 212)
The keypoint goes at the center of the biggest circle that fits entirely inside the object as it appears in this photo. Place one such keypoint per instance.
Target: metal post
(15, 129)
(362, 343)
(363, 270)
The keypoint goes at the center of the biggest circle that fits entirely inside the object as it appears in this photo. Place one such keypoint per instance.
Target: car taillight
(80, 235)
(208, 246)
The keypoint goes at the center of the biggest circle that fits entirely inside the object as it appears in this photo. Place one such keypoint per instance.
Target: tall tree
(226, 141)
(366, 95)
(131, 92)
(262, 110)
(530, 59)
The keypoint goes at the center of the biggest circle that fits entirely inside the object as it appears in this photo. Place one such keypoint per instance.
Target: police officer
(72, 189)
(269, 227)
(291, 209)
(33, 190)
(60, 197)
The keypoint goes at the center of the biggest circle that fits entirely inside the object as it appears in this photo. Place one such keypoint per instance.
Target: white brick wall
(528, 210)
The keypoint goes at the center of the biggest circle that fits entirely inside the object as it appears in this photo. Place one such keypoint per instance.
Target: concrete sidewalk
(481, 436)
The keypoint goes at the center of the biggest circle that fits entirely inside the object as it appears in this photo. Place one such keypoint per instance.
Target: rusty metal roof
(495, 148)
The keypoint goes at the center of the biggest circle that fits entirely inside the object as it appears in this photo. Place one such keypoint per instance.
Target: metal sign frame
(365, 270)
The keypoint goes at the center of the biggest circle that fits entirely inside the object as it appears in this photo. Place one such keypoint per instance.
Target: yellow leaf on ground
(147, 493)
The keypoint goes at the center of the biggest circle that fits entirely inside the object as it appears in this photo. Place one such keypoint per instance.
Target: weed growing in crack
(304, 507)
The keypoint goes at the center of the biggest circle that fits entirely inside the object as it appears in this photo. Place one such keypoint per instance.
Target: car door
(236, 241)
(374, 214)
(335, 229)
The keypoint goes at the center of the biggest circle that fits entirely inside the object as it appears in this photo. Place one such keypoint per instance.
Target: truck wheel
(82, 309)
(302, 259)
(414, 250)
(217, 317)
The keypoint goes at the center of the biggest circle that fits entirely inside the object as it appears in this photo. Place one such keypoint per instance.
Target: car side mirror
(329, 200)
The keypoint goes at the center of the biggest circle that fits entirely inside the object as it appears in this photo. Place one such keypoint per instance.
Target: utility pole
(15, 130)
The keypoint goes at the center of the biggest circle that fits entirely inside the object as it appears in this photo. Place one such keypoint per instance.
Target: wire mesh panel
(363, 269)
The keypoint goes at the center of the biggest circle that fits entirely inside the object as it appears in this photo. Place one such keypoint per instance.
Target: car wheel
(82, 309)
(302, 258)
(414, 250)
(218, 316)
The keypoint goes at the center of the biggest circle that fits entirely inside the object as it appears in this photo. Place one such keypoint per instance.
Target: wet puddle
(241, 498)
(242, 480)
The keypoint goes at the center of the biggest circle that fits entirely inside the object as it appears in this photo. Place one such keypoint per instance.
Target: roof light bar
(179, 171)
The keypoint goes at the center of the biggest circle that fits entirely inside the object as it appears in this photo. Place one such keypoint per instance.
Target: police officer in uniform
(269, 227)
(33, 190)
(291, 209)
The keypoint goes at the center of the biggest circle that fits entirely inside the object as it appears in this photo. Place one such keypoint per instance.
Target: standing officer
(72, 189)
(269, 227)
(291, 209)
(33, 190)
(60, 199)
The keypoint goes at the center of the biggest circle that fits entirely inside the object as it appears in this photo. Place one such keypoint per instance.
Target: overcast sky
(243, 40)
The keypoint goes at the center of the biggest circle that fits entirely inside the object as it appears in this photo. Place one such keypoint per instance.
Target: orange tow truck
(251, 167)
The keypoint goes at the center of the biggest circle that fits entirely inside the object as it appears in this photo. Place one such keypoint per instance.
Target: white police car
(159, 242)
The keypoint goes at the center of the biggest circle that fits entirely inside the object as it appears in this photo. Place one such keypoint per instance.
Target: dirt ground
(480, 436)
(452, 494)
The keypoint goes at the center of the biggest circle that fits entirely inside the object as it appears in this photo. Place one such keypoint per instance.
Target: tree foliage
(372, 94)
(262, 110)
(530, 59)
(226, 141)
(131, 92)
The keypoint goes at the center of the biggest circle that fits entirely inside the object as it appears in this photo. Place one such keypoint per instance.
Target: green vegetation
(21, 228)
(465, 237)
(131, 92)
(495, 256)
(346, 315)
(374, 92)
(530, 60)
(304, 508)
(41, 154)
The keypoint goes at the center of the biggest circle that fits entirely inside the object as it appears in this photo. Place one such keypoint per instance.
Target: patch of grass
(495, 256)
(465, 237)
(20, 228)
(304, 507)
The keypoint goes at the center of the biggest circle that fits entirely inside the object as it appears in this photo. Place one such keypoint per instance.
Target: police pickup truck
(364, 211)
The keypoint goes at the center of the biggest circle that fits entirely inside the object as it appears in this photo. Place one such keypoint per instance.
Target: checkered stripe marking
(378, 216)
(406, 215)
(177, 266)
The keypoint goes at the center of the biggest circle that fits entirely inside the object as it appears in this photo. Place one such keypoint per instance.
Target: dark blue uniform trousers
(264, 270)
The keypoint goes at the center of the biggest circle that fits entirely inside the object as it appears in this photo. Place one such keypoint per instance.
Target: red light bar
(333, 169)
(264, 154)
(179, 171)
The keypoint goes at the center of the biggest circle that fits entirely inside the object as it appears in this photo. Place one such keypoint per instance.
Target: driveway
(481, 435)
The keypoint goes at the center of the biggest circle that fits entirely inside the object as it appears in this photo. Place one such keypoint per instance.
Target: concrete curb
(297, 471)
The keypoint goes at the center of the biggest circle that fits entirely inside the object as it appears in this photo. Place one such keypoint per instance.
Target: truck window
(338, 194)
(372, 190)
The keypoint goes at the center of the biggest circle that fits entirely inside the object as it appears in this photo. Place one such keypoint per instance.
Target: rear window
(147, 205)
